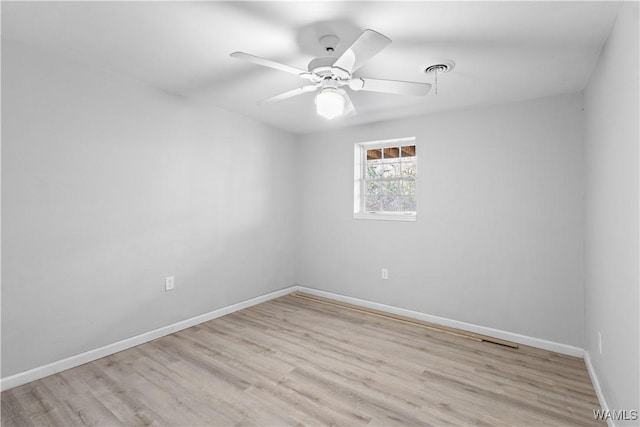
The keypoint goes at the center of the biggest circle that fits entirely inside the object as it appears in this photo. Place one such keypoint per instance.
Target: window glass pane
(391, 152)
(408, 169)
(391, 170)
(381, 195)
(372, 204)
(399, 204)
(372, 196)
(391, 196)
(408, 188)
(376, 169)
(408, 151)
(391, 203)
(408, 204)
(374, 154)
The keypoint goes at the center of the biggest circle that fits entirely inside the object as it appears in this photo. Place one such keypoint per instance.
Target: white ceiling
(504, 51)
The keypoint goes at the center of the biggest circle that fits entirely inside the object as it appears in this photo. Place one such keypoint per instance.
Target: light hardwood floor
(292, 361)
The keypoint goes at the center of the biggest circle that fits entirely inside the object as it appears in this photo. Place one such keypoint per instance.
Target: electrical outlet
(600, 342)
(169, 284)
(384, 273)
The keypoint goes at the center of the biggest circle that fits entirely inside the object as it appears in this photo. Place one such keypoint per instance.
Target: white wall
(612, 301)
(499, 237)
(108, 186)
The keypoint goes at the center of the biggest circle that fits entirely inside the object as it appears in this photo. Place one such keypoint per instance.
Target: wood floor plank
(294, 361)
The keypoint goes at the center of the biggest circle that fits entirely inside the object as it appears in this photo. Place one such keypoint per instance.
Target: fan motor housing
(323, 67)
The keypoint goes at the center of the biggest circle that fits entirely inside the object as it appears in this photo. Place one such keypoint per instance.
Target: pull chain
(437, 69)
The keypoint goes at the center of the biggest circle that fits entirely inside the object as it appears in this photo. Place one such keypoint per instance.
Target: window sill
(385, 216)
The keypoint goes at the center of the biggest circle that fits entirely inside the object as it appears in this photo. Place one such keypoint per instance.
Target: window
(385, 180)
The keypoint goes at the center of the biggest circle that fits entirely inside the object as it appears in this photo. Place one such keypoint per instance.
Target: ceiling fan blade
(349, 109)
(390, 86)
(289, 94)
(269, 63)
(363, 49)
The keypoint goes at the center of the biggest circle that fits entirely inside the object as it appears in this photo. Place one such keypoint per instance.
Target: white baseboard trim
(91, 355)
(496, 333)
(596, 386)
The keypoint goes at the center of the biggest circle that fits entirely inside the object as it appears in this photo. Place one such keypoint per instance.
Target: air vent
(440, 68)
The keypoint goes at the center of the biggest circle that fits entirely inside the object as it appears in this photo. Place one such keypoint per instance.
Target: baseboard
(596, 386)
(91, 355)
(496, 333)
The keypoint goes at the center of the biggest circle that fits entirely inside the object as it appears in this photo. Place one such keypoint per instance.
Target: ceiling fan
(329, 75)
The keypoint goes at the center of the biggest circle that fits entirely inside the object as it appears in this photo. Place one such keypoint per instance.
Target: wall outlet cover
(169, 284)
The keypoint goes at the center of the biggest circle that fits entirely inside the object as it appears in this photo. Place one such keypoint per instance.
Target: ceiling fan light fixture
(329, 74)
(329, 103)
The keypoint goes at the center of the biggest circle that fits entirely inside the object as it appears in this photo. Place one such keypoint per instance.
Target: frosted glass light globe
(329, 103)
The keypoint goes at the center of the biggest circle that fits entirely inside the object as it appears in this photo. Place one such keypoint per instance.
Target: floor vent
(404, 319)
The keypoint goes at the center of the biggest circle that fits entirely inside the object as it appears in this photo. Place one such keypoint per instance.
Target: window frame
(360, 161)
